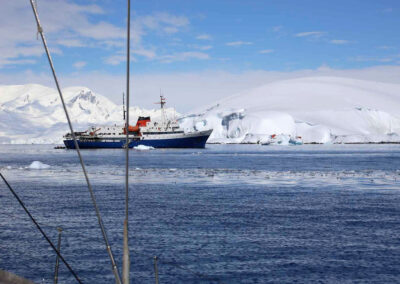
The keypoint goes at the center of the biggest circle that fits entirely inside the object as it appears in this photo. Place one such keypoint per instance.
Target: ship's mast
(162, 103)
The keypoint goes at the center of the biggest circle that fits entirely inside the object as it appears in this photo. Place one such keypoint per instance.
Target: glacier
(318, 109)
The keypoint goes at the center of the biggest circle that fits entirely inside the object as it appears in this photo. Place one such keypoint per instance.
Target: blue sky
(196, 37)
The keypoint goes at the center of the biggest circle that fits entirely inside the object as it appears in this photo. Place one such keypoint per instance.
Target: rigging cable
(125, 258)
(103, 231)
(40, 229)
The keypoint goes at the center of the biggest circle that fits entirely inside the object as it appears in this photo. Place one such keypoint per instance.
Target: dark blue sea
(224, 214)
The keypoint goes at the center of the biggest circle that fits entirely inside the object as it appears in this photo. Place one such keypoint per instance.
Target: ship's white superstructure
(160, 133)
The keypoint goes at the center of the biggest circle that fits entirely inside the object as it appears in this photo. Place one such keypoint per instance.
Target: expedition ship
(163, 133)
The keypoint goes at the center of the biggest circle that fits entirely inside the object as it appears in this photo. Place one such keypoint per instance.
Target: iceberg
(37, 165)
(143, 148)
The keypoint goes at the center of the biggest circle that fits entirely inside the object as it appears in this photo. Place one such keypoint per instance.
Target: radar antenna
(162, 102)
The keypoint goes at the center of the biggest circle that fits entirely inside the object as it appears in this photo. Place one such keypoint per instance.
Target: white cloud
(205, 47)
(266, 51)
(238, 43)
(120, 56)
(310, 34)
(101, 31)
(73, 42)
(183, 56)
(339, 41)
(79, 64)
(202, 47)
(63, 22)
(164, 20)
(150, 54)
(380, 59)
(115, 59)
(4, 62)
(204, 37)
(67, 24)
(157, 22)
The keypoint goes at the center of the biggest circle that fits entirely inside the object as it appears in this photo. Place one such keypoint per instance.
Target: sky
(197, 52)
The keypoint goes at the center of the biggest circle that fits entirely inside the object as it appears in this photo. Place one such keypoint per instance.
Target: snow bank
(319, 109)
(143, 148)
(37, 165)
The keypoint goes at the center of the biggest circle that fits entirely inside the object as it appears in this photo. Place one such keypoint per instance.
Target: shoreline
(309, 143)
(247, 143)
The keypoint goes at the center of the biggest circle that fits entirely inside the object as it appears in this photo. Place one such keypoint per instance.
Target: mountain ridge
(33, 113)
(319, 109)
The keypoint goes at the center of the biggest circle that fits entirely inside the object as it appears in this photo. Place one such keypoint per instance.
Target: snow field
(319, 109)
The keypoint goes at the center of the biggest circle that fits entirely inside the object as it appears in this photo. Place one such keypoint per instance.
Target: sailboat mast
(99, 219)
(123, 105)
(125, 259)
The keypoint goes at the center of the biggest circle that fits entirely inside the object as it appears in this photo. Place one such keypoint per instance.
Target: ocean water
(224, 214)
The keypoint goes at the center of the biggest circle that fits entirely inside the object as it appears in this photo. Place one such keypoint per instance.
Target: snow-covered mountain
(319, 109)
(33, 113)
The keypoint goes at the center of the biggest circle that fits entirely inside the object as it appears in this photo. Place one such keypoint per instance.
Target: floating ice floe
(37, 165)
(143, 147)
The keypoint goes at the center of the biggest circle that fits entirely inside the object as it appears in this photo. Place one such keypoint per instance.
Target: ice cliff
(319, 109)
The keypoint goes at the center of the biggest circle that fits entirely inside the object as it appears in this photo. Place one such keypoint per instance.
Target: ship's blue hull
(184, 142)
